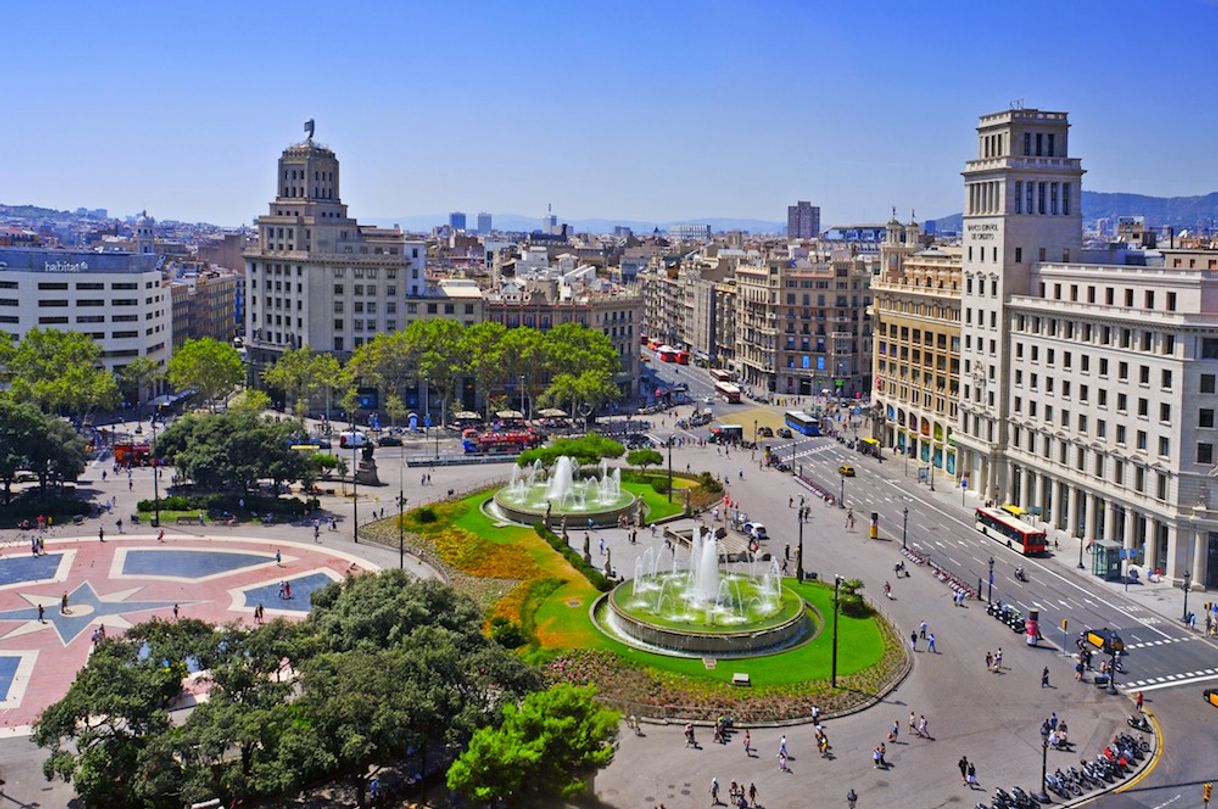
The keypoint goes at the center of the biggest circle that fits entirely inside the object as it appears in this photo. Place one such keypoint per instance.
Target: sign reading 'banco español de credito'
(983, 231)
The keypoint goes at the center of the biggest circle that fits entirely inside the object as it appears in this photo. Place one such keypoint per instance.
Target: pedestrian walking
(782, 763)
(875, 757)
(922, 630)
(752, 794)
(963, 765)
(130, 484)
(913, 723)
(930, 643)
(287, 589)
(989, 659)
(175, 612)
(1138, 701)
(913, 641)
(714, 791)
(894, 731)
(851, 799)
(747, 743)
(998, 659)
(1044, 677)
(101, 533)
(119, 523)
(972, 775)
(278, 558)
(63, 604)
(41, 612)
(782, 745)
(160, 537)
(923, 728)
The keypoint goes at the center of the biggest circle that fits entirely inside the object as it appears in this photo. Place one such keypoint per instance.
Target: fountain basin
(577, 518)
(689, 631)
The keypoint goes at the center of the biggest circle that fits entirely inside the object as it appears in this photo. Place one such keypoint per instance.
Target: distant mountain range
(516, 222)
(1178, 212)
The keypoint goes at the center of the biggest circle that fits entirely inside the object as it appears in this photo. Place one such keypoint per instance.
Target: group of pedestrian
(968, 772)
(993, 660)
(738, 795)
(285, 589)
(923, 634)
(918, 726)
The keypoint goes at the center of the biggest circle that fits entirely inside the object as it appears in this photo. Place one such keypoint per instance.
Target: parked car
(784, 432)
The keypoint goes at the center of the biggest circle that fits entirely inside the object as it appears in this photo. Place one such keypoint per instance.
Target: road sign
(1065, 624)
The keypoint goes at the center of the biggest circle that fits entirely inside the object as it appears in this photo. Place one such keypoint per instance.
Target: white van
(352, 440)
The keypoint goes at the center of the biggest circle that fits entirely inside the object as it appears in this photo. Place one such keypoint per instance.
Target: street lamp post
(670, 443)
(837, 583)
(1187, 583)
(401, 507)
(932, 468)
(1043, 796)
(990, 597)
(156, 496)
(904, 525)
(841, 498)
(1080, 552)
(754, 431)
(799, 552)
(354, 488)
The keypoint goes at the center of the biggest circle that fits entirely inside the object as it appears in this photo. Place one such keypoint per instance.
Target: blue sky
(641, 110)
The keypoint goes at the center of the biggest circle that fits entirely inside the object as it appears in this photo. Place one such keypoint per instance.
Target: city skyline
(657, 113)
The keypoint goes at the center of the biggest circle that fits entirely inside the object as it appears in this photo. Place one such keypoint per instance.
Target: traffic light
(1207, 790)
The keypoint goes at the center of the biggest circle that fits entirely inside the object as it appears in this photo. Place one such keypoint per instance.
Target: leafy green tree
(587, 449)
(60, 371)
(644, 458)
(302, 374)
(209, 366)
(547, 746)
(395, 409)
(584, 393)
(101, 734)
(136, 377)
(250, 400)
(231, 450)
(33, 441)
(442, 359)
(523, 354)
(389, 361)
(574, 349)
(482, 345)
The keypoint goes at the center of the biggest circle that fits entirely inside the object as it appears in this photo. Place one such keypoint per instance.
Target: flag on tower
(308, 127)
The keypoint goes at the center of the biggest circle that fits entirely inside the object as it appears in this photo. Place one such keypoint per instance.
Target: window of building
(1143, 407)
(1164, 446)
(1164, 412)
(1205, 417)
(1205, 453)
(1141, 440)
(1120, 434)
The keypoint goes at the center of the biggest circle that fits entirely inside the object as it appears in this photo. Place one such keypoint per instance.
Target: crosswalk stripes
(1167, 678)
(1159, 642)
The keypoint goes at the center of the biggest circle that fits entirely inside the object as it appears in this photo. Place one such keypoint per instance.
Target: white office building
(116, 298)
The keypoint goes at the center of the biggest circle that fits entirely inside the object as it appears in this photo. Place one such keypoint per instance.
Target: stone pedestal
(366, 474)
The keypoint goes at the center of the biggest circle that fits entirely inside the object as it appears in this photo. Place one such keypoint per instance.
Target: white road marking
(1189, 681)
(1169, 802)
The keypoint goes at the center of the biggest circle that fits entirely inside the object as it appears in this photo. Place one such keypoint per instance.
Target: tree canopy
(586, 449)
(60, 371)
(209, 366)
(33, 441)
(302, 374)
(546, 746)
(232, 450)
(290, 704)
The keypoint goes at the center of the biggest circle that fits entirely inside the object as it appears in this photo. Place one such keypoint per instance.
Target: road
(1169, 664)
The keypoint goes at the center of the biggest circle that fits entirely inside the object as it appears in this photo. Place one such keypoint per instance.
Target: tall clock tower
(1021, 207)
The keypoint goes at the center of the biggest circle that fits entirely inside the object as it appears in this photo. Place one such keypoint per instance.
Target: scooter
(1139, 722)
(1020, 575)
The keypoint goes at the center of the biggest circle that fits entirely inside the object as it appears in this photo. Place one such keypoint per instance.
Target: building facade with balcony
(917, 349)
(802, 327)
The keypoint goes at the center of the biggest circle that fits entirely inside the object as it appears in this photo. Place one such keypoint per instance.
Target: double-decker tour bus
(997, 524)
(729, 392)
(666, 353)
(508, 442)
(802, 422)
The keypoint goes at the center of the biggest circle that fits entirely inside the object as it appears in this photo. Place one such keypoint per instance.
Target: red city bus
(729, 392)
(666, 353)
(510, 442)
(682, 357)
(1017, 534)
(720, 375)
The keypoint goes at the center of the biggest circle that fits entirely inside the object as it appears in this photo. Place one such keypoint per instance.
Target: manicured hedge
(217, 501)
(594, 576)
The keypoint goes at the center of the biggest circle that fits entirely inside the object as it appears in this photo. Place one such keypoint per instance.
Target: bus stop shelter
(1106, 560)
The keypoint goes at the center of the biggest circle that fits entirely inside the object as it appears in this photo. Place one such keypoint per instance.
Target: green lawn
(860, 645)
(657, 504)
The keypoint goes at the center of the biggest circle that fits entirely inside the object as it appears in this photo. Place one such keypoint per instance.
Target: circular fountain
(533, 495)
(703, 609)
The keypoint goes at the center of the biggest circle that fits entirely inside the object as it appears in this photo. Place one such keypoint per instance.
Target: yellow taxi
(846, 470)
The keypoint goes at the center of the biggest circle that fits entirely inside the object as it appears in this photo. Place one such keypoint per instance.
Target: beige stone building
(802, 327)
(917, 349)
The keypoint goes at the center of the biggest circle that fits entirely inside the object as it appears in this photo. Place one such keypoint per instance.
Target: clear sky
(639, 110)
